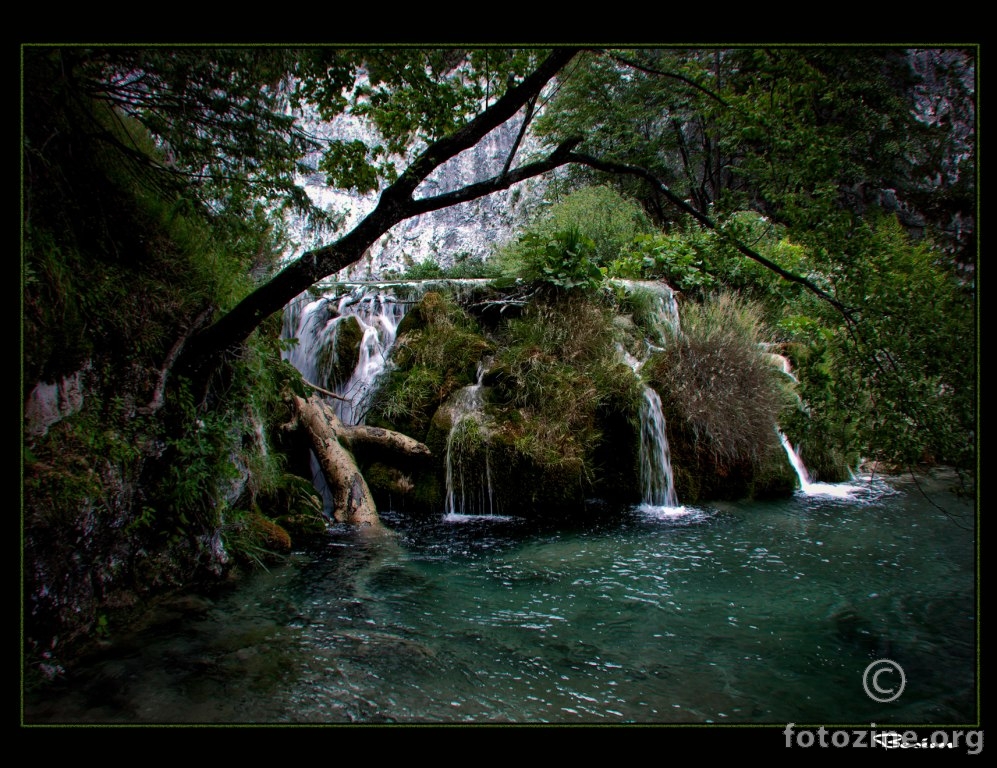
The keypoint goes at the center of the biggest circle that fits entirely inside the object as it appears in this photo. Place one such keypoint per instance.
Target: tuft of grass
(559, 369)
(718, 382)
(437, 352)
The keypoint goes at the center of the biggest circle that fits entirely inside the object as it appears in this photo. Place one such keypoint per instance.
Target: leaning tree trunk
(331, 441)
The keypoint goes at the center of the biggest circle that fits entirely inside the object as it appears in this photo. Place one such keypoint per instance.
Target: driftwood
(325, 392)
(332, 442)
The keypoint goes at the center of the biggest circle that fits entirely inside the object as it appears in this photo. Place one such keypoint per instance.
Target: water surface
(731, 613)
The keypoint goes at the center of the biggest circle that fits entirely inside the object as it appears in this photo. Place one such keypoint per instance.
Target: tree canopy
(822, 142)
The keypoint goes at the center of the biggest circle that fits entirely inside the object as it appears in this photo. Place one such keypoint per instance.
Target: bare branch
(325, 392)
(530, 106)
(674, 75)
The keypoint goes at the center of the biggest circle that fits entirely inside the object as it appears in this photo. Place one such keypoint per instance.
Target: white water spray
(656, 478)
(810, 488)
(469, 485)
(316, 325)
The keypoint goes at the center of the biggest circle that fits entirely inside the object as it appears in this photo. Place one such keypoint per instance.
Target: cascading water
(377, 311)
(807, 486)
(468, 465)
(317, 326)
(379, 315)
(656, 478)
(798, 466)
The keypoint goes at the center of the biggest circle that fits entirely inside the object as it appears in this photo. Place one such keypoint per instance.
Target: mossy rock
(538, 487)
(303, 525)
(340, 357)
(383, 479)
(416, 491)
(293, 497)
(270, 534)
(255, 539)
(431, 308)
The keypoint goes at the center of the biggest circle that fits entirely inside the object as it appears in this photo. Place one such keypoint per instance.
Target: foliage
(219, 118)
(565, 260)
(409, 96)
(571, 244)
(806, 135)
(819, 143)
(130, 491)
(558, 370)
(718, 382)
(437, 351)
(255, 539)
(913, 347)
(464, 267)
(153, 178)
(601, 214)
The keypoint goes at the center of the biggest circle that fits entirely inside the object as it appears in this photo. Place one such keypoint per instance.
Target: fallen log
(376, 437)
(332, 441)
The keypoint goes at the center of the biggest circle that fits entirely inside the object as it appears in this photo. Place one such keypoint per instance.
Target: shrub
(573, 244)
(437, 352)
(718, 383)
(603, 216)
(559, 379)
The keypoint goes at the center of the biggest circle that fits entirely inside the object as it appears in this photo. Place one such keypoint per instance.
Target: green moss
(339, 358)
(438, 350)
(254, 539)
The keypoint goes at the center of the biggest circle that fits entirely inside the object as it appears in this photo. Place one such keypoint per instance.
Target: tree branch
(395, 205)
(530, 106)
(706, 221)
(326, 392)
(555, 159)
(676, 76)
(396, 442)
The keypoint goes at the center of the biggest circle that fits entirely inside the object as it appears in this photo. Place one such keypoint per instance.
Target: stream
(741, 612)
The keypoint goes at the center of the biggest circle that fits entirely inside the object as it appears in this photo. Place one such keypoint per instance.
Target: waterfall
(807, 486)
(317, 326)
(379, 315)
(656, 477)
(316, 323)
(798, 466)
(657, 481)
(469, 480)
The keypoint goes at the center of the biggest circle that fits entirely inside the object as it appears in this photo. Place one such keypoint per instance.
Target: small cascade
(657, 481)
(782, 364)
(370, 314)
(351, 368)
(798, 466)
(807, 486)
(468, 475)
(656, 477)
(379, 315)
(667, 307)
